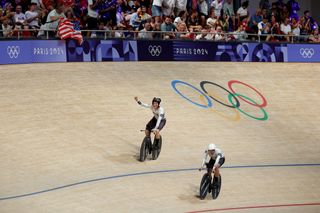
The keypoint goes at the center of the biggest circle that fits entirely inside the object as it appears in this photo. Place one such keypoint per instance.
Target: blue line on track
(147, 173)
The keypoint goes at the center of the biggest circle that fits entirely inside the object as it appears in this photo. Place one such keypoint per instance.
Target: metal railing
(125, 34)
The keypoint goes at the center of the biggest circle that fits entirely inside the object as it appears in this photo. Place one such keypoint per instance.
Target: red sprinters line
(257, 207)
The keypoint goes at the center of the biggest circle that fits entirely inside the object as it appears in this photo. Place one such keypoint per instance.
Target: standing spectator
(107, 11)
(279, 4)
(168, 26)
(293, 7)
(243, 12)
(167, 7)
(203, 11)
(181, 5)
(157, 10)
(218, 5)
(53, 19)
(19, 17)
(285, 13)
(285, 28)
(264, 4)
(33, 16)
(229, 11)
(92, 19)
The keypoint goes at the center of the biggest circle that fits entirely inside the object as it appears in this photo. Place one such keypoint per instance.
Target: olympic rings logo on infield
(233, 97)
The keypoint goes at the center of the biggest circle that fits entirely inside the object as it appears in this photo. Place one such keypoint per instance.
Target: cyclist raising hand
(158, 120)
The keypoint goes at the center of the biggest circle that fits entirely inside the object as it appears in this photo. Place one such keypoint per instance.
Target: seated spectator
(157, 31)
(206, 34)
(254, 20)
(219, 36)
(182, 17)
(7, 28)
(139, 18)
(32, 16)
(315, 37)
(223, 21)
(275, 30)
(264, 29)
(182, 31)
(145, 32)
(296, 28)
(212, 20)
(285, 28)
(193, 22)
(168, 26)
(240, 34)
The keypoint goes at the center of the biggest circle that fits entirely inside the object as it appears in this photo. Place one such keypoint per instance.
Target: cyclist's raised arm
(140, 103)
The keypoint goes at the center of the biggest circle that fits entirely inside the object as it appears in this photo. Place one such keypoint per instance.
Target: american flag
(67, 30)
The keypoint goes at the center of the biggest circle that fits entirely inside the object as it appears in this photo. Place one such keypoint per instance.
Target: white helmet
(211, 146)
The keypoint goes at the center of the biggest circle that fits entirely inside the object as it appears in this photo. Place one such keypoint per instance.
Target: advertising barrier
(102, 50)
(32, 51)
(304, 53)
(35, 51)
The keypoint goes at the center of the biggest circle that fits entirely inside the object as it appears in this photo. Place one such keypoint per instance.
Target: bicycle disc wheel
(204, 186)
(143, 150)
(216, 189)
(156, 149)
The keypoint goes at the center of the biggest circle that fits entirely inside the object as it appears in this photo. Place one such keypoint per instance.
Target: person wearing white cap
(213, 159)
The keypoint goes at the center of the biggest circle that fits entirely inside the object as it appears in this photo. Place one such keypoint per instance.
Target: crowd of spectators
(160, 19)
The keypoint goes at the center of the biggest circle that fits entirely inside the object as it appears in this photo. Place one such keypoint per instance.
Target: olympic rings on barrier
(232, 96)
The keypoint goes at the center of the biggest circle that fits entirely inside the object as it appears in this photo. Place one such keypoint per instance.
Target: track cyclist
(213, 159)
(158, 121)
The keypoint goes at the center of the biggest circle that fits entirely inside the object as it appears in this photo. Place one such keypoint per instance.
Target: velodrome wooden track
(69, 137)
